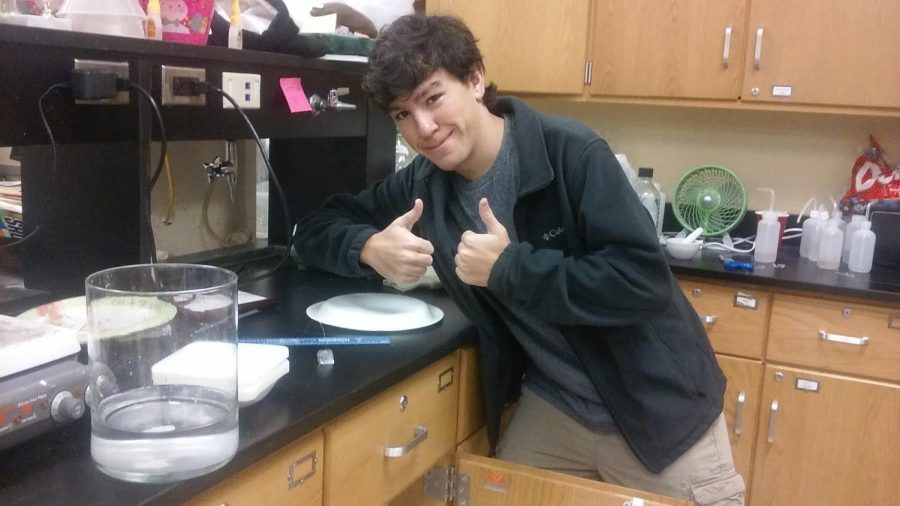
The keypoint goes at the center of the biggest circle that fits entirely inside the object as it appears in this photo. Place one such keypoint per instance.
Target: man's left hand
(477, 253)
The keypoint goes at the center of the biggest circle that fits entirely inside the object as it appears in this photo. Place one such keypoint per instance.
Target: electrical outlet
(168, 73)
(119, 68)
(243, 88)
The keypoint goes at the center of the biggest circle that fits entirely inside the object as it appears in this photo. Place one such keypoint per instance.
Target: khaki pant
(539, 435)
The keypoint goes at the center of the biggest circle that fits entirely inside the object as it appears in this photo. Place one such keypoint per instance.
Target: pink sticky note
(294, 94)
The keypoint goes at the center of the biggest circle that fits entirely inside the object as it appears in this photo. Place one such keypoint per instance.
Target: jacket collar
(535, 171)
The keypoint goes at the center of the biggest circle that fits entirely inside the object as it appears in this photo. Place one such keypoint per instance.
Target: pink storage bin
(185, 21)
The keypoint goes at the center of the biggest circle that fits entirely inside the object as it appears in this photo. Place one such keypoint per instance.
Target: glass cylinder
(162, 349)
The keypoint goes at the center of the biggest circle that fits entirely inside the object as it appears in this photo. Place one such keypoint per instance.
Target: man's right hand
(396, 253)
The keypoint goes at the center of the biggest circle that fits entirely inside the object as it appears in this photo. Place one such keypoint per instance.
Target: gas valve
(332, 102)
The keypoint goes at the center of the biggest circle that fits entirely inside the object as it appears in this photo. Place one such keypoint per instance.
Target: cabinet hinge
(447, 485)
(588, 72)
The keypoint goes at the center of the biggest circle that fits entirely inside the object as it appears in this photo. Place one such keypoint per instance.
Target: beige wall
(233, 222)
(800, 155)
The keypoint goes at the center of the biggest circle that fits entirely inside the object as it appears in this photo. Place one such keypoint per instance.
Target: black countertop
(791, 272)
(56, 467)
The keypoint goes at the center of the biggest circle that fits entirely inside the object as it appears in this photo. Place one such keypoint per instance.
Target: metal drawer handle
(773, 411)
(726, 52)
(757, 53)
(419, 434)
(739, 413)
(709, 319)
(838, 338)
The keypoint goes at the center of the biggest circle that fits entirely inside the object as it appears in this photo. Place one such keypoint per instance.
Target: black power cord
(201, 87)
(148, 223)
(52, 88)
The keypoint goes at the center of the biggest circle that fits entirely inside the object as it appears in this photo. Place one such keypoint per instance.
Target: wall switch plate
(243, 88)
(168, 73)
(119, 68)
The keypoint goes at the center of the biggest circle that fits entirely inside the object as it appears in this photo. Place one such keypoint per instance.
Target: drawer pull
(445, 379)
(709, 319)
(838, 338)
(420, 434)
(757, 52)
(739, 413)
(773, 411)
(726, 51)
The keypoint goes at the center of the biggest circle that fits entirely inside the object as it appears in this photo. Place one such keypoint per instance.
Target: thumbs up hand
(477, 253)
(396, 253)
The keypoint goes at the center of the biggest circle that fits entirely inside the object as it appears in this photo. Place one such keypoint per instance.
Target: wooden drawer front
(357, 470)
(742, 408)
(494, 482)
(471, 409)
(829, 335)
(734, 316)
(292, 475)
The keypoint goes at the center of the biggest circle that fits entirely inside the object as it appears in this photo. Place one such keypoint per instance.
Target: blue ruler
(318, 341)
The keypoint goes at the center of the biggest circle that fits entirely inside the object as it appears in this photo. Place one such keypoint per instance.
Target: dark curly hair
(412, 48)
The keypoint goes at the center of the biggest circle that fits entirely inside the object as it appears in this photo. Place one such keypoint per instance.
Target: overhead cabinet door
(529, 46)
(830, 52)
(668, 48)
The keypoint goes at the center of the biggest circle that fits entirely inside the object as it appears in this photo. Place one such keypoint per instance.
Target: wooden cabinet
(814, 409)
(823, 53)
(380, 448)
(471, 406)
(292, 475)
(735, 316)
(529, 46)
(829, 52)
(668, 48)
(826, 439)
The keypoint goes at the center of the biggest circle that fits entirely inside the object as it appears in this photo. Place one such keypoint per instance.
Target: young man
(533, 229)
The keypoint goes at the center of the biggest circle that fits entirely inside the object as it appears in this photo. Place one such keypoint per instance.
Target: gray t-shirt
(554, 372)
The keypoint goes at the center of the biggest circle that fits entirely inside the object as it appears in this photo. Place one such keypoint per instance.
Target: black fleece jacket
(587, 260)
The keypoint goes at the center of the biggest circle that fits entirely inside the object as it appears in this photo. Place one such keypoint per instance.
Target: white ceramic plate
(375, 312)
(69, 313)
(119, 315)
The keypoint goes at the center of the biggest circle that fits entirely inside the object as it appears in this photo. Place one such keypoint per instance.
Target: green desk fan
(711, 197)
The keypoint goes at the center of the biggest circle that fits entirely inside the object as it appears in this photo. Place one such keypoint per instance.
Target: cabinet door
(493, 482)
(529, 46)
(668, 48)
(826, 440)
(291, 475)
(383, 446)
(742, 409)
(830, 52)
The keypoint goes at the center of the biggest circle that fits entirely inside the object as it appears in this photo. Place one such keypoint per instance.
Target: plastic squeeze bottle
(854, 225)
(767, 238)
(862, 249)
(235, 33)
(153, 23)
(830, 246)
(816, 236)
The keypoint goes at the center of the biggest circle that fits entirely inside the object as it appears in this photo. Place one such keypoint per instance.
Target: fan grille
(711, 197)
